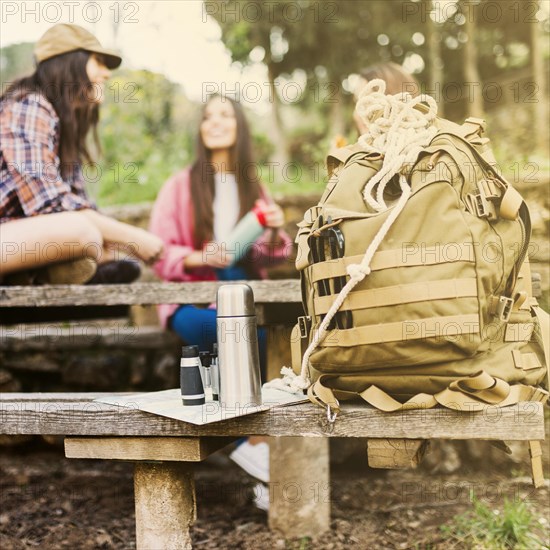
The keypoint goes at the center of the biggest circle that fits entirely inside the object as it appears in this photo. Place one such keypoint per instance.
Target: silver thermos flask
(238, 355)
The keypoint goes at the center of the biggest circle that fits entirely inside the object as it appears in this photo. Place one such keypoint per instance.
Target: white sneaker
(253, 459)
(261, 496)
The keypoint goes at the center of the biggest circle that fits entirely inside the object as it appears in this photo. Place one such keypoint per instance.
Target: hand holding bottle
(220, 255)
(247, 231)
(273, 214)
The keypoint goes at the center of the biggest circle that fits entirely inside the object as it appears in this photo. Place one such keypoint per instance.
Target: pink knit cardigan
(172, 221)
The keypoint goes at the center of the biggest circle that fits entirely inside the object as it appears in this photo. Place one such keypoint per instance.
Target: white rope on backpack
(289, 382)
(399, 131)
(395, 128)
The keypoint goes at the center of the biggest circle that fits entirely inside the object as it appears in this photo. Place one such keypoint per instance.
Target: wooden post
(540, 103)
(165, 505)
(278, 350)
(299, 486)
(474, 105)
(435, 63)
(395, 453)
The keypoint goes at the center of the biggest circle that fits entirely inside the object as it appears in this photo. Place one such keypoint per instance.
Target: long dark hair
(63, 81)
(202, 177)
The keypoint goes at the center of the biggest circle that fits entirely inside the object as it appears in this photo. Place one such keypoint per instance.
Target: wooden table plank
(53, 397)
(521, 422)
(270, 291)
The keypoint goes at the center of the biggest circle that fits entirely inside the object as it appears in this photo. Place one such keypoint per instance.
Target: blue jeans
(197, 326)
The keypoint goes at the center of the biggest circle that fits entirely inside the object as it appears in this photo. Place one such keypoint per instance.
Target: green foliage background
(146, 132)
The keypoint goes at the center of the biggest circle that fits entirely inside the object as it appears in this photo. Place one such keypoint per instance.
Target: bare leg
(41, 240)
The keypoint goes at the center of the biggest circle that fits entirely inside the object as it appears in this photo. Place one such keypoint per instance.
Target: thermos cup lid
(236, 300)
(188, 352)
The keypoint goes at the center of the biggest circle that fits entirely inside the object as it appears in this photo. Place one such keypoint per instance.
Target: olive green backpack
(414, 271)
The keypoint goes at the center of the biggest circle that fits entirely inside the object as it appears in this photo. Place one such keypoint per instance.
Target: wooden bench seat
(272, 292)
(164, 449)
(77, 414)
(101, 333)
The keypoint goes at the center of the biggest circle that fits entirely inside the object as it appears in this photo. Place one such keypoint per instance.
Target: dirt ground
(50, 502)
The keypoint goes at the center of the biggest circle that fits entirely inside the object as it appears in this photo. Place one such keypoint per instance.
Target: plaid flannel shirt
(30, 180)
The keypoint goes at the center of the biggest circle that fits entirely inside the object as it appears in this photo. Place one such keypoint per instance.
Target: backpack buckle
(487, 191)
(481, 205)
(503, 308)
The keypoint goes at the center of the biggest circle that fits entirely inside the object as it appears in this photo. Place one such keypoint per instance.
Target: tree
(240, 36)
(434, 63)
(326, 40)
(470, 66)
(540, 106)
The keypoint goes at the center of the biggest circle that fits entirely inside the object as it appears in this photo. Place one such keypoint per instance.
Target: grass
(485, 528)
(301, 544)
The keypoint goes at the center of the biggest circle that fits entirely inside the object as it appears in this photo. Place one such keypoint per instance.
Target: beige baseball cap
(64, 37)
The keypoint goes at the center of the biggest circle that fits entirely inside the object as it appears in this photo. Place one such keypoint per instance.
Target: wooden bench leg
(165, 505)
(395, 453)
(299, 486)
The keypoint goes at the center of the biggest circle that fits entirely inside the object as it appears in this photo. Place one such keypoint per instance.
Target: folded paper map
(168, 403)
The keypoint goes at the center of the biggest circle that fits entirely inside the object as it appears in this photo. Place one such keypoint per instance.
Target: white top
(226, 205)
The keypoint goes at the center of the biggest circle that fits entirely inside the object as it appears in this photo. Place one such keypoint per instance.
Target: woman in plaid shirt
(46, 217)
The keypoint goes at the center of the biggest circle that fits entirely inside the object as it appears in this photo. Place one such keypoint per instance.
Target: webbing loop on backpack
(401, 294)
(323, 396)
(388, 259)
(525, 361)
(510, 204)
(399, 331)
(462, 394)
